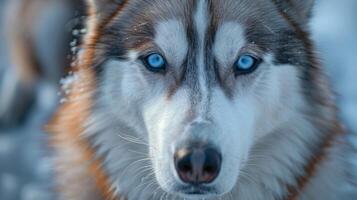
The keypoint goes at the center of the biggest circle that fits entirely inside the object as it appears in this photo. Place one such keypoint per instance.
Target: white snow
(66, 86)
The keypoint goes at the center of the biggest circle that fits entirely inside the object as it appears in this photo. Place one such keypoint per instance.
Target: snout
(198, 165)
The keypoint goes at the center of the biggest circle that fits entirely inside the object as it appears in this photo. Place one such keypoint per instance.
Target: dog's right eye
(155, 62)
(246, 64)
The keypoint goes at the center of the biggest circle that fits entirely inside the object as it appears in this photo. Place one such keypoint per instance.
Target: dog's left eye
(246, 64)
(155, 62)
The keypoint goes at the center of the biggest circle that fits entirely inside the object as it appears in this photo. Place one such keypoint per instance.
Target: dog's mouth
(196, 191)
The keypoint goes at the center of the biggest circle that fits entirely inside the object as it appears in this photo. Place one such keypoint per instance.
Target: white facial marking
(279, 98)
(234, 121)
(171, 38)
(201, 24)
(229, 40)
(162, 119)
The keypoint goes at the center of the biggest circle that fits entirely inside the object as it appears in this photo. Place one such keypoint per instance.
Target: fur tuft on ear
(104, 8)
(299, 10)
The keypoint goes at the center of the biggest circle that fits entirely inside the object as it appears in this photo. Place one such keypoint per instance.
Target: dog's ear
(298, 10)
(103, 9)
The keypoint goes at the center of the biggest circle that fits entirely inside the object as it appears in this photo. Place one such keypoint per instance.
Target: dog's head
(201, 81)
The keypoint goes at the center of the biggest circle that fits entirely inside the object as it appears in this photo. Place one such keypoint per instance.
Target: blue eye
(155, 62)
(246, 64)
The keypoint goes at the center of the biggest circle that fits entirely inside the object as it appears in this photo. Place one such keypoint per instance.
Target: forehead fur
(135, 27)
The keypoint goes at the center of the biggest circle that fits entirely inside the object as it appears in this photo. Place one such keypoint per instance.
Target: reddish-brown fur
(68, 123)
(337, 130)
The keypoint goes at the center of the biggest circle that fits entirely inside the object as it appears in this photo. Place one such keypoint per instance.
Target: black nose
(198, 165)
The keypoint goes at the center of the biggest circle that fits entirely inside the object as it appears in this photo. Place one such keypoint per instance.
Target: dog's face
(201, 82)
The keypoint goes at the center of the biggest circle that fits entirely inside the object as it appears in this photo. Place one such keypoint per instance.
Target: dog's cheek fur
(278, 96)
(122, 88)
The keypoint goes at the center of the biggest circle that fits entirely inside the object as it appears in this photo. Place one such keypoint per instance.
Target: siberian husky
(199, 99)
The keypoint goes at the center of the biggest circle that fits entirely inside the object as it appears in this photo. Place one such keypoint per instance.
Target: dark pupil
(245, 61)
(155, 60)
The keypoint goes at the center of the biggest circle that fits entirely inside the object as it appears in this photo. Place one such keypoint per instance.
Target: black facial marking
(190, 77)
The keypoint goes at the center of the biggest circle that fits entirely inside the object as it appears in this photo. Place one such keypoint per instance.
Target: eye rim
(257, 62)
(145, 61)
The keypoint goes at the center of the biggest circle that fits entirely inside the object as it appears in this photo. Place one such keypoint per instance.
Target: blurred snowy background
(25, 169)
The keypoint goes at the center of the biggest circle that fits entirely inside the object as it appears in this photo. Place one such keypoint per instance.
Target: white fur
(229, 41)
(171, 38)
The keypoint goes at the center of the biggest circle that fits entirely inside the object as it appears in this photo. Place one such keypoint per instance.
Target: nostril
(183, 164)
(209, 169)
(197, 165)
(212, 165)
(186, 168)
